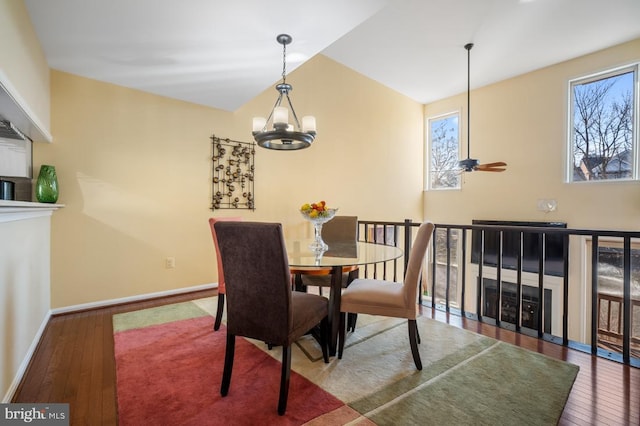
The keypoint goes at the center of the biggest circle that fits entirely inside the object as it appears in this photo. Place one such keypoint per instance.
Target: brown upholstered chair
(391, 299)
(260, 302)
(221, 284)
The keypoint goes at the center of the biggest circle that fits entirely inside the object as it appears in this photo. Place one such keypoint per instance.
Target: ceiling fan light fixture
(275, 131)
(468, 164)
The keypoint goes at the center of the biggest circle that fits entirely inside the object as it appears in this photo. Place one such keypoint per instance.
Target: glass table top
(339, 253)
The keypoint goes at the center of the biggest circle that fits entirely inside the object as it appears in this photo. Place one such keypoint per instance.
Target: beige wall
(134, 175)
(22, 61)
(522, 121)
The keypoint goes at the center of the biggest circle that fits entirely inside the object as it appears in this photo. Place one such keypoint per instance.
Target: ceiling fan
(471, 164)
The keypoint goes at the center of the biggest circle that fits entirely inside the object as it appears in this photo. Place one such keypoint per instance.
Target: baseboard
(27, 359)
(111, 302)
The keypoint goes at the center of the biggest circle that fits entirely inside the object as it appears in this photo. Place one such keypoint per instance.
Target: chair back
(258, 280)
(416, 260)
(340, 228)
(213, 221)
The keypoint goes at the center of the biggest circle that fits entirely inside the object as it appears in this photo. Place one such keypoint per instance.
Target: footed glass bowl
(323, 217)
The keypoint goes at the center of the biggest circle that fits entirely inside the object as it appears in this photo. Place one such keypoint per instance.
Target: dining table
(339, 255)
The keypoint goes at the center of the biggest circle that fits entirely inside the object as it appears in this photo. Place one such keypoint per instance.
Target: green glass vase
(47, 185)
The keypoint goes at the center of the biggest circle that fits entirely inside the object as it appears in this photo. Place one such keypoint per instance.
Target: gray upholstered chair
(340, 229)
(221, 282)
(260, 302)
(337, 230)
(391, 299)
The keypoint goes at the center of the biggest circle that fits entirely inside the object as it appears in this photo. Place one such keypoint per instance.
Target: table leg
(334, 307)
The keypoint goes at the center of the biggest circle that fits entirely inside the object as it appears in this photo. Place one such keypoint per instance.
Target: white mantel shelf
(21, 210)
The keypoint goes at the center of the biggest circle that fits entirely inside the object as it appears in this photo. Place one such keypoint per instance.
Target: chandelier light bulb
(280, 116)
(259, 124)
(308, 123)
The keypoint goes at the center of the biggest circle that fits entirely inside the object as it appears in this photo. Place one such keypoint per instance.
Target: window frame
(635, 121)
(429, 120)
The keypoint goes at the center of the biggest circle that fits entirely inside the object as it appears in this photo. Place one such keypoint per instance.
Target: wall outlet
(170, 262)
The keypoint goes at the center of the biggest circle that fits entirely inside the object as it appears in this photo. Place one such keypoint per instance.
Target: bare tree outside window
(444, 139)
(602, 136)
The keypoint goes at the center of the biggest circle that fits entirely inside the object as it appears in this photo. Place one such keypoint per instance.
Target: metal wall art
(233, 174)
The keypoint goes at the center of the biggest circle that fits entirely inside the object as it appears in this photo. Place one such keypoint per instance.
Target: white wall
(24, 290)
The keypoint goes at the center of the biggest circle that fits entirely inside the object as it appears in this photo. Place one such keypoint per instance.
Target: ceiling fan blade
(491, 167)
(491, 170)
(496, 164)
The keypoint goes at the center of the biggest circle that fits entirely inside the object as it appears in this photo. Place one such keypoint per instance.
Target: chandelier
(275, 132)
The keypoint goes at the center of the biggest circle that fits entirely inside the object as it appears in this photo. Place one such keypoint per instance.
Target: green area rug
(466, 378)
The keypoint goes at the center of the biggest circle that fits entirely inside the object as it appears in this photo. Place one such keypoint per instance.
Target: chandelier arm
(293, 112)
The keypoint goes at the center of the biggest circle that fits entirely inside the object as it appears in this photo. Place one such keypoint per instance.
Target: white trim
(569, 150)
(22, 109)
(428, 184)
(27, 359)
(11, 211)
(103, 303)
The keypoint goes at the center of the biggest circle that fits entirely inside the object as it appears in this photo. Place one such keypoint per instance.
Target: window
(444, 139)
(603, 126)
(440, 258)
(611, 294)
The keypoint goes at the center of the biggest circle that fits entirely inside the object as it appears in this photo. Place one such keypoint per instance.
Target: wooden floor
(74, 364)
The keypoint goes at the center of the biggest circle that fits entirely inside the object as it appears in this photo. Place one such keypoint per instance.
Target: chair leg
(298, 285)
(413, 341)
(284, 379)
(324, 339)
(351, 321)
(219, 312)
(228, 364)
(341, 333)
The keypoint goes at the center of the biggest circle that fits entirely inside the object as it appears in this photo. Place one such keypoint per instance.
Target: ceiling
(223, 53)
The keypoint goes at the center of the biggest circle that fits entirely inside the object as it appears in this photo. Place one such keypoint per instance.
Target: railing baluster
(480, 279)
(464, 270)
(519, 284)
(540, 284)
(395, 261)
(626, 330)
(594, 295)
(499, 279)
(565, 291)
(434, 267)
(448, 274)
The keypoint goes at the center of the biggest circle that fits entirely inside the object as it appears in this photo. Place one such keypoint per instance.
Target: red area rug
(170, 374)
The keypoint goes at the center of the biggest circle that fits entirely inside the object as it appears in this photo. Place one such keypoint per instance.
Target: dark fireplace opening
(529, 305)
